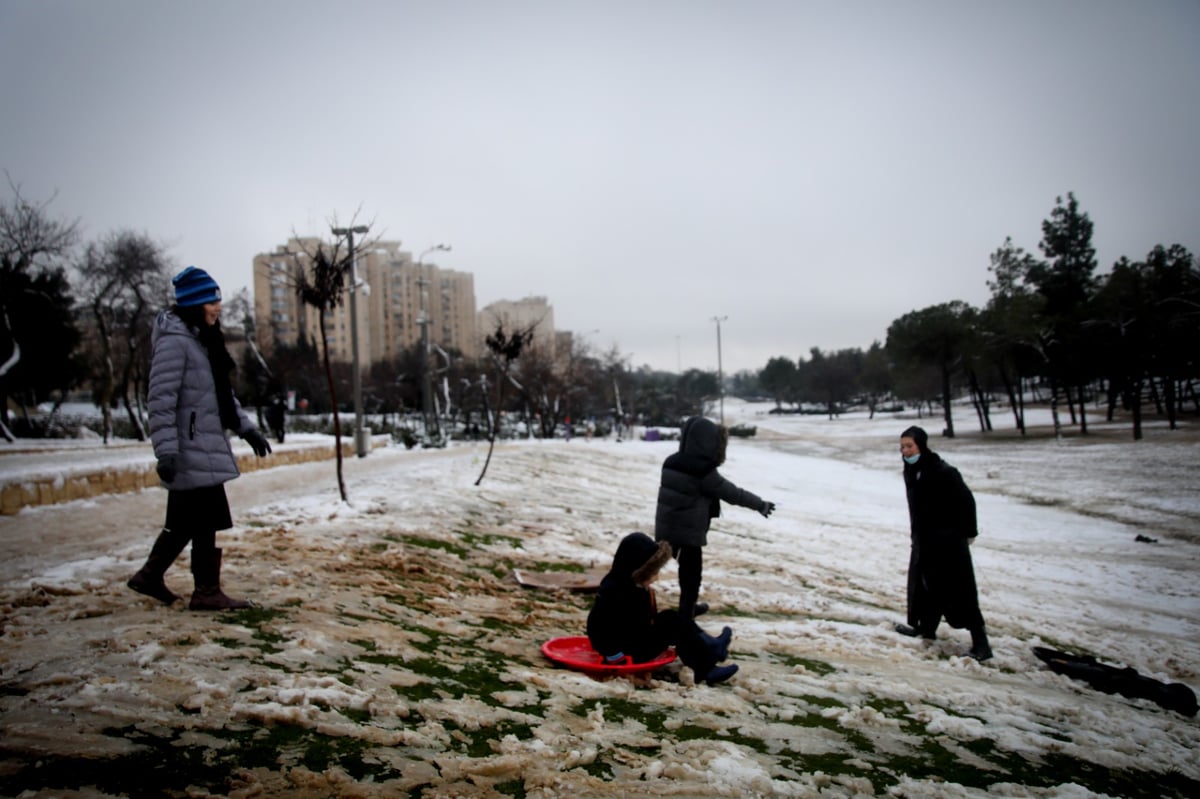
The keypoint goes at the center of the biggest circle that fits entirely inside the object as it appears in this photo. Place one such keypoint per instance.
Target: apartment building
(516, 315)
(395, 299)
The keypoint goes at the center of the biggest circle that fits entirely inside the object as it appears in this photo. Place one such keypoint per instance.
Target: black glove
(166, 468)
(767, 509)
(257, 442)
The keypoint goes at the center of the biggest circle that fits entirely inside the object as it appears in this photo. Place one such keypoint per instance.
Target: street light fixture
(426, 346)
(720, 376)
(360, 437)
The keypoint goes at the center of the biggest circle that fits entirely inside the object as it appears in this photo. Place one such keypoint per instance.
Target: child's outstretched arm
(716, 485)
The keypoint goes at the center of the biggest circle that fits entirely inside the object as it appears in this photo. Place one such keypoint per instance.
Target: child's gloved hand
(767, 509)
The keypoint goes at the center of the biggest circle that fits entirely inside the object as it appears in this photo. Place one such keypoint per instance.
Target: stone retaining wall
(120, 479)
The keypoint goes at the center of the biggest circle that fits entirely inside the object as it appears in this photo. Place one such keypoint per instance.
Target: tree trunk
(1169, 401)
(1135, 405)
(1083, 410)
(946, 411)
(981, 403)
(1154, 395)
(134, 420)
(1021, 400)
(107, 374)
(1070, 403)
(494, 422)
(1012, 398)
(1054, 410)
(337, 423)
(977, 404)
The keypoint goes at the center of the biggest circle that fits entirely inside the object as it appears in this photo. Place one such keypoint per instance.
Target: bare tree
(32, 247)
(321, 284)
(123, 283)
(258, 381)
(505, 349)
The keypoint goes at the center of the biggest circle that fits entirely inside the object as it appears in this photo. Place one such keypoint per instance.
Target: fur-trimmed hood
(638, 558)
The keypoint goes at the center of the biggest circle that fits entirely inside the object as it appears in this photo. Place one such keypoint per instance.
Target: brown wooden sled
(583, 582)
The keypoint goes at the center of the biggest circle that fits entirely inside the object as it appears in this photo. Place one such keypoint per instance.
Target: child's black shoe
(720, 674)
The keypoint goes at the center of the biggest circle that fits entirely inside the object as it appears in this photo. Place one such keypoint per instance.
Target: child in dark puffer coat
(689, 498)
(625, 620)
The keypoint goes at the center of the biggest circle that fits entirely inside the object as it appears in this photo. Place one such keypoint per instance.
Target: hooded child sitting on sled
(625, 620)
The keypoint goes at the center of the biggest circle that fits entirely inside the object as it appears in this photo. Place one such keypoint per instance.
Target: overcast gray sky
(808, 170)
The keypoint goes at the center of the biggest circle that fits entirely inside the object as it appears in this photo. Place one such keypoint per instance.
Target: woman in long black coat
(941, 575)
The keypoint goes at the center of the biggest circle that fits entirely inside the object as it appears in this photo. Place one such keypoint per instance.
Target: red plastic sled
(575, 652)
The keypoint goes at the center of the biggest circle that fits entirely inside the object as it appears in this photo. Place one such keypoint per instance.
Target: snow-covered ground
(394, 655)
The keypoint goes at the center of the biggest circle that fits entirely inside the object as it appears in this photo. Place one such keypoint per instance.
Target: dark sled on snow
(1116, 680)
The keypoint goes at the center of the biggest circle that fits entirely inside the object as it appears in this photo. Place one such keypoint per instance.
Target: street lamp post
(426, 345)
(360, 437)
(720, 375)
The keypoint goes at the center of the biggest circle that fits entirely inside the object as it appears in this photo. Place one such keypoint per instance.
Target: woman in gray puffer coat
(689, 498)
(192, 404)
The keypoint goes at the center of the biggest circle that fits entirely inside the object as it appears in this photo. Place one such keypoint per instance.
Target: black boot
(149, 579)
(206, 570)
(699, 609)
(913, 632)
(718, 647)
(720, 673)
(980, 650)
(717, 650)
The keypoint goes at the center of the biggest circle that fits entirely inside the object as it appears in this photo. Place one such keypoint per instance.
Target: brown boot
(149, 578)
(206, 570)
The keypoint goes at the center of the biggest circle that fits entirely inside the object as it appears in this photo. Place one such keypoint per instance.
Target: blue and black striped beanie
(194, 286)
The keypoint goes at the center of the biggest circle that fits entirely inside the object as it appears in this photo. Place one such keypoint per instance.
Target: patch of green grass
(478, 742)
(477, 679)
(499, 625)
(481, 540)
(258, 619)
(434, 543)
(161, 767)
(695, 732)
(617, 710)
(600, 769)
(818, 667)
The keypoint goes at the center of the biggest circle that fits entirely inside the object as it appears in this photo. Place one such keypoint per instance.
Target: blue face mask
(911, 459)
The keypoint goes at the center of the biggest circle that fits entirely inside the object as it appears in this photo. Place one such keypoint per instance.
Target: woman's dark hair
(919, 437)
(193, 315)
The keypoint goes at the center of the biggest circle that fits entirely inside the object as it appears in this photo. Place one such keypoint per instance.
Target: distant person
(276, 414)
(689, 498)
(941, 576)
(191, 406)
(625, 620)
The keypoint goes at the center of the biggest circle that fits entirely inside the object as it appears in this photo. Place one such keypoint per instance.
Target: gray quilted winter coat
(184, 418)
